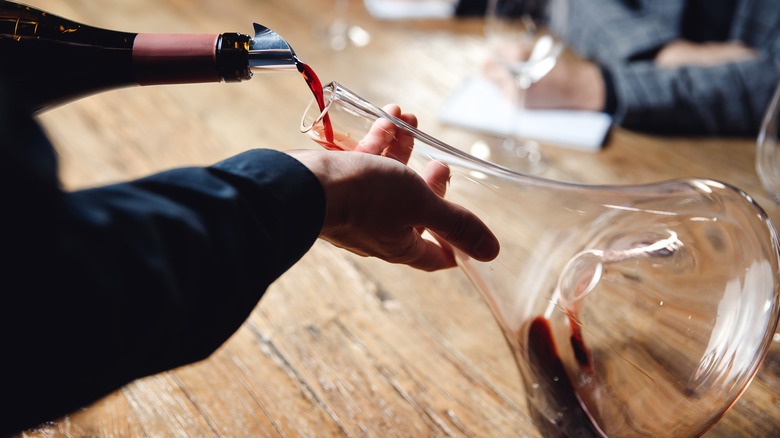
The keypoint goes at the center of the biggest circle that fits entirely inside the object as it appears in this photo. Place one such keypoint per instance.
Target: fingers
(378, 207)
(462, 229)
(428, 255)
(386, 139)
(381, 134)
(401, 147)
(437, 174)
(682, 52)
(456, 227)
(500, 76)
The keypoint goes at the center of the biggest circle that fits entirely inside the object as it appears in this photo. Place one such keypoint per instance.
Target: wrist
(591, 88)
(609, 105)
(330, 175)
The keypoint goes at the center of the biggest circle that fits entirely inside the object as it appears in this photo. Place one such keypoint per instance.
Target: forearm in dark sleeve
(124, 281)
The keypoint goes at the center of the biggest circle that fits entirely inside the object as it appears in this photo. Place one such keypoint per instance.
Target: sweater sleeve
(110, 284)
(623, 37)
(728, 99)
(622, 29)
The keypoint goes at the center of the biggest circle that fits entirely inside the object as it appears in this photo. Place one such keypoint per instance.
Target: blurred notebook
(410, 9)
(480, 105)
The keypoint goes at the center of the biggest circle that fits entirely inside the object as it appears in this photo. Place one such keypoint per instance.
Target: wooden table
(342, 345)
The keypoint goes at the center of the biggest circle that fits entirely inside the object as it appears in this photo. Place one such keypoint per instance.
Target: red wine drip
(315, 85)
(552, 388)
(578, 345)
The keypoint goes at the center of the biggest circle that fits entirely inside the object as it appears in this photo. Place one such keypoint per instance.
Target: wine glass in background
(768, 152)
(340, 33)
(524, 41)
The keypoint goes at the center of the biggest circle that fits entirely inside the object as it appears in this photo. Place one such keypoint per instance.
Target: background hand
(681, 53)
(574, 83)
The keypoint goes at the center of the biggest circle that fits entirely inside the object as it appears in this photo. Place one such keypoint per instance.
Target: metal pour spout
(269, 51)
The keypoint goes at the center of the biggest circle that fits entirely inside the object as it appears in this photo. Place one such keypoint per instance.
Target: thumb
(462, 229)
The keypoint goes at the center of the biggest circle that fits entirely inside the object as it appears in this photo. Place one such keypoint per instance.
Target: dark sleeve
(728, 99)
(106, 285)
(610, 31)
(470, 8)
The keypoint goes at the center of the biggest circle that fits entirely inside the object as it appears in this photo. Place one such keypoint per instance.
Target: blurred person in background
(677, 67)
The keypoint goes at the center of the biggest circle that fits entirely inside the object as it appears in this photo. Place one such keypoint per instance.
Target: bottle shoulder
(19, 22)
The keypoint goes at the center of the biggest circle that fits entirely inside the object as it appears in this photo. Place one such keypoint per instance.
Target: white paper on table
(480, 105)
(410, 9)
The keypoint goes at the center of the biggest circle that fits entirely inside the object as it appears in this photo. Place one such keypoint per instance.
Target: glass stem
(513, 140)
(340, 10)
(339, 27)
(516, 144)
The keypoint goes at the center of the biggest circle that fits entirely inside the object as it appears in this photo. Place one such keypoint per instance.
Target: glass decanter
(630, 310)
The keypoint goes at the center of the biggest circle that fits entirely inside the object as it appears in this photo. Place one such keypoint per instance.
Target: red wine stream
(315, 85)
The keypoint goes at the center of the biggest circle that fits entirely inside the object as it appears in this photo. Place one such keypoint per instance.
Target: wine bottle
(53, 60)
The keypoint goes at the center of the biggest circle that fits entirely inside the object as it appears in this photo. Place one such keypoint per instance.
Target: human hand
(681, 53)
(574, 83)
(376, 206)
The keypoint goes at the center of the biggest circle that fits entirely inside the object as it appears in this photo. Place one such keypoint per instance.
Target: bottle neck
(184, 58)
(233, 57)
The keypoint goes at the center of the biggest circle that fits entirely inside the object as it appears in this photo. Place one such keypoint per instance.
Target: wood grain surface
(342, 345)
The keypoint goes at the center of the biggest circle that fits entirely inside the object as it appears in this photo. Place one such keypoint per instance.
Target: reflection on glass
(768, 153)
(630, 310)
